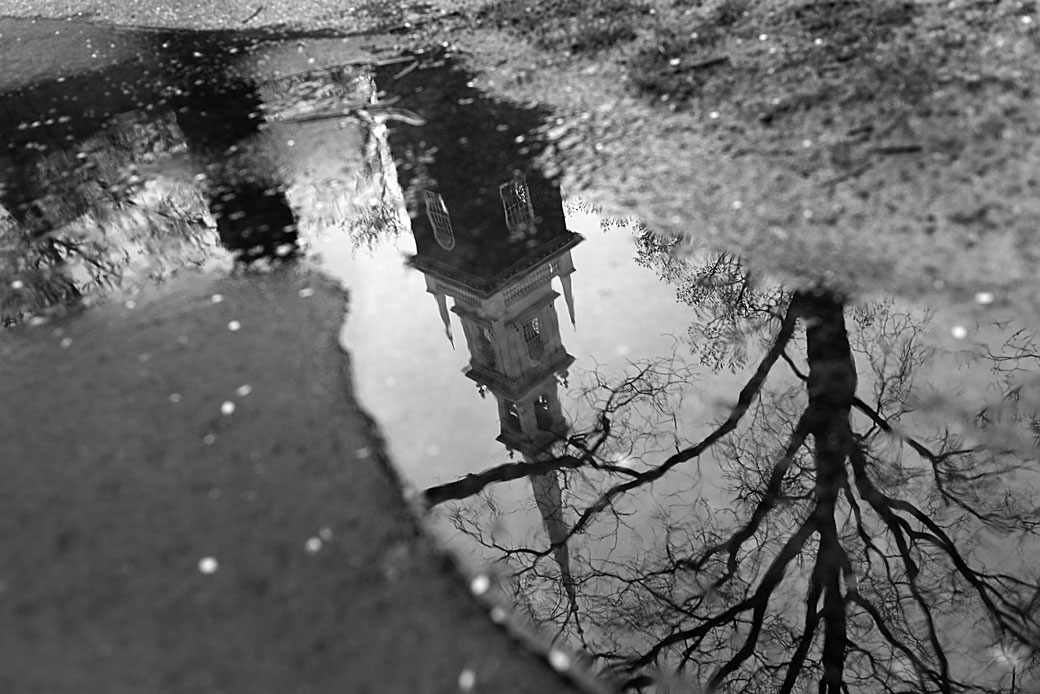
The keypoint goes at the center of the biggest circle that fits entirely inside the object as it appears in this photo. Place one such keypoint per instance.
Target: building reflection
(135, 171)
(494, 248)
(104, 176)
(499, 280)
(104, 211)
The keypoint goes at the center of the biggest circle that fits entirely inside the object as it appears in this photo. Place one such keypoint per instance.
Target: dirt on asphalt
(195, 502)
(874, 146)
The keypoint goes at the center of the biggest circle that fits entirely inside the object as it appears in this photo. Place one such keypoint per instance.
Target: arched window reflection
(487, 347)
(533, 337)
(543, 413)
(437, 212)
(512, 420)
(516, 201)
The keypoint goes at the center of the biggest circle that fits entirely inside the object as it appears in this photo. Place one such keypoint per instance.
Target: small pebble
(467, 680)
(227, 408)
(244, 390)
(234, 326)
(984, 298)
(216, 298)
(208, 565)
(313, 545)
(175, 397)
(560, 661)
(306, 292)
(959, 332)
(480, 584)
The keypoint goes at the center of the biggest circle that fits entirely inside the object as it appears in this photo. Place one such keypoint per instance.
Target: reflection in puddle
(843, 542)
(113, 177)
(680, 468)
(831, 536)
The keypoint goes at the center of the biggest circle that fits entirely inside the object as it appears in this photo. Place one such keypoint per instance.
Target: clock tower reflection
(499, 281)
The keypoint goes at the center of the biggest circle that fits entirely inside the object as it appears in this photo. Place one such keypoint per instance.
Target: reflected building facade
(493, 245)
(503, 296)
(499, 280)
(114, 176)
(490, 239)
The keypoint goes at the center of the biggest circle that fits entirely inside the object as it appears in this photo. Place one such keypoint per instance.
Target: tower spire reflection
(512, 329)
(490, 236)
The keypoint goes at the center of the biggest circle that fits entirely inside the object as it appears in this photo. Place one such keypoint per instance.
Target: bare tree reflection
(729, 305)
(860, 547)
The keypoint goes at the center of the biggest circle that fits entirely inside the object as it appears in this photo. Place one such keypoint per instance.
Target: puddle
(669, 466)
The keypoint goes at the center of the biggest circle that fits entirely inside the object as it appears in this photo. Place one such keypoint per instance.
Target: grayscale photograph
(519, 346)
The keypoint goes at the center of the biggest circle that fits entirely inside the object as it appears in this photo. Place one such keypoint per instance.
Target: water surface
(681, 471)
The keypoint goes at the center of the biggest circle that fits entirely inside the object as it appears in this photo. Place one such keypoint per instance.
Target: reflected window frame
(512, 419)
(486, 340)
(440, 219)
(516, 205)
(531, 330)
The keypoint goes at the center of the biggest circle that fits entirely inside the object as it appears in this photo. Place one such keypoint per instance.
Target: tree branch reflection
(859, 546)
